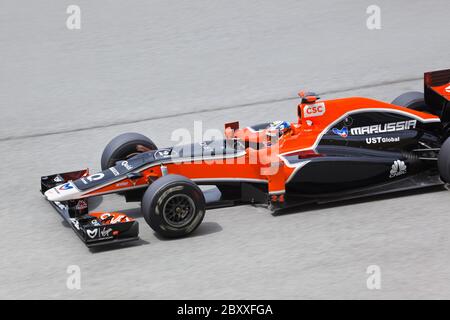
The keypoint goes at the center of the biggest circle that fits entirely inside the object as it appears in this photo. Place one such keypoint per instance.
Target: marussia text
(226, 309)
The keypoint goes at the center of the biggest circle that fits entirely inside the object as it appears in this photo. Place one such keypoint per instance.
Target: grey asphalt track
(155, 66)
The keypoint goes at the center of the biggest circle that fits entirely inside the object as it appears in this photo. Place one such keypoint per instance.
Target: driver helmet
(278, 126)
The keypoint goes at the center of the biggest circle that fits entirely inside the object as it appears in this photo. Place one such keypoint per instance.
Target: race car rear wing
(437, 93)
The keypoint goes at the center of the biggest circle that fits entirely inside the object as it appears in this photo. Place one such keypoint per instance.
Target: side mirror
(134, 175)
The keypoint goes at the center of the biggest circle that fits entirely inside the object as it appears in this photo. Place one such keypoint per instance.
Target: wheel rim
(179, 210)
(131, 155)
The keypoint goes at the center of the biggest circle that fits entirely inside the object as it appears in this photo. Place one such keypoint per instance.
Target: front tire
(123, 147)
(173, 206)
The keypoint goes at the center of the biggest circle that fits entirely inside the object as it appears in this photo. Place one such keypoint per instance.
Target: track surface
(155, 66)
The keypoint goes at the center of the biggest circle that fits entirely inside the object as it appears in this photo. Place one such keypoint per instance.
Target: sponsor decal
(81, 205)
(105, 216)
(94, 222)
(118, 219)
(114, 171)
(314, 110)
(375, 140)
(342, 132)
(66, 186)
(387, 127)
(126, 165)
(61, 206)
(105, 232)
(92, 233)
(94, 177)
(113, 219)
(122, 184)
(447, 89)
(397, 169)
(75, 223)
(58, 178)
(162, 154)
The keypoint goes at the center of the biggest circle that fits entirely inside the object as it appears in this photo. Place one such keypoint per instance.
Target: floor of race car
(131, 70)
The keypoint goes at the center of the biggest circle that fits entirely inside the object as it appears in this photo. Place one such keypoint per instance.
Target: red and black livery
(336, 149)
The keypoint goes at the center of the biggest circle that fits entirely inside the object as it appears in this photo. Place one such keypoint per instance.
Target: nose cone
(63, 192)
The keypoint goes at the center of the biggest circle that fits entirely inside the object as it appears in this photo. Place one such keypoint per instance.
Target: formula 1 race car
(337, 149)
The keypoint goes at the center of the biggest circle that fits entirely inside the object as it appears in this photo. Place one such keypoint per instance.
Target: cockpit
(208, 149)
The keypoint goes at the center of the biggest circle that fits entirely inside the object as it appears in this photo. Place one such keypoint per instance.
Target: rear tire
(413, 100)
(123, 147)
(173, 206)
(444, 161)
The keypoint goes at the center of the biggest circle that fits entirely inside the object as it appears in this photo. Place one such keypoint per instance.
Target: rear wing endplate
(437, 93)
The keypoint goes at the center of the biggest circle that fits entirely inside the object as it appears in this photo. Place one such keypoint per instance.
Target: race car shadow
(203, 229)
(118, 246)
(312, 207)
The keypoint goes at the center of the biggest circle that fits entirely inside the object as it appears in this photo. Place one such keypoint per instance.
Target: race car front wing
(96, 228)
